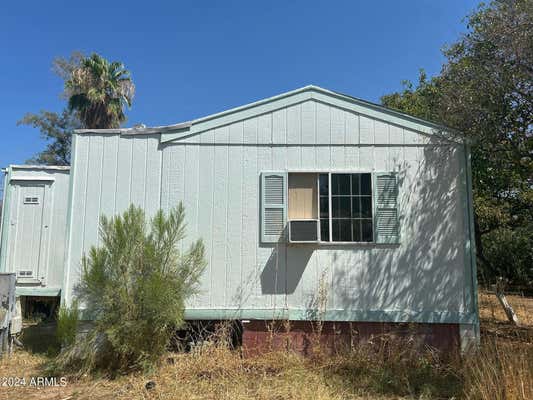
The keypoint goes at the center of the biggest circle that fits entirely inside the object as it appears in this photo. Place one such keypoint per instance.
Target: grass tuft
(385, 369)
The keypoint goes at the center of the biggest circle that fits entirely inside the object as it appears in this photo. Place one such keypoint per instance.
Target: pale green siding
(34, 235)
(214, 167)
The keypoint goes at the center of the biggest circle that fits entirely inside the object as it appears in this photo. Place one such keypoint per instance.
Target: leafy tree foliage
(98, 90)
(485, 90)
(57, 130)
(134, 286)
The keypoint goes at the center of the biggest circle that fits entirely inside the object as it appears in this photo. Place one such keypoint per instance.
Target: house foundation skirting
(259, 336)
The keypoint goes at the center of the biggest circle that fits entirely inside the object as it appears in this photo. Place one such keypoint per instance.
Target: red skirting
(259, 336)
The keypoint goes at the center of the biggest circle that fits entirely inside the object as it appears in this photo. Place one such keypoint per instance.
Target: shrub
(67, 324)
(134, 286)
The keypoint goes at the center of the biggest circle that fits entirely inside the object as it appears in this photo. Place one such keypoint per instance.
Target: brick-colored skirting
(302, 336)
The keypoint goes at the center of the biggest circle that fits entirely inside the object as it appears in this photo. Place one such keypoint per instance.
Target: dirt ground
(266, 379)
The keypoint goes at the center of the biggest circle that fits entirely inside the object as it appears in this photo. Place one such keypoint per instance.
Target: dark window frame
(350, 228)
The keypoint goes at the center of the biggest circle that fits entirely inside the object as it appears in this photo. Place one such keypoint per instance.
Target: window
(330, 207)
(346, 207)
(31, 200)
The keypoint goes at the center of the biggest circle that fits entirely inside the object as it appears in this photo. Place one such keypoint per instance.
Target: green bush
(67, 324)
(134, 286)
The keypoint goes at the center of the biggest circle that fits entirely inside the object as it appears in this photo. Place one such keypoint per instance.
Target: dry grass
(503, 369)
(491, 311)
(212, 373)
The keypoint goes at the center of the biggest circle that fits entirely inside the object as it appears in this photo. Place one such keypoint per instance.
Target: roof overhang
(32, 178)
(185, 129)
(41, 167)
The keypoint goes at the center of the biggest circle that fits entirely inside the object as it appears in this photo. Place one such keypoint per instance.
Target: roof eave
(183, 129)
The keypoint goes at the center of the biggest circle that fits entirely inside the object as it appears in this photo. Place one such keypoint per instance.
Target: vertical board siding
(138, 171)
(77, 214)
(124, 170)
(217, 176)
(219, 256)
(93, 192)
(366, 130)
(152, 176)
(234, 217)
(264, 251)
(206, 209)
(108, 183)
(58, 231)
(250, 216)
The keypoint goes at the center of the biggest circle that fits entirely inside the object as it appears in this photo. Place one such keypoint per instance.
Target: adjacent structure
(312, 205)
(33, 227)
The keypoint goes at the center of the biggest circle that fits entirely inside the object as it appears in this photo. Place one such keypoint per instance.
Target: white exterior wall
(41, 239)
(216, 173)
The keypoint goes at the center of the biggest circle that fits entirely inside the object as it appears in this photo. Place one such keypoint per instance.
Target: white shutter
(273, 206)
(386, 224)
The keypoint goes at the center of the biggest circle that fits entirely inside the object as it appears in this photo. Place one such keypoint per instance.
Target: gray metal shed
(33, 227)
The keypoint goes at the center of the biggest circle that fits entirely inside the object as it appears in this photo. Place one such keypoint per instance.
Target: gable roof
(311, 92)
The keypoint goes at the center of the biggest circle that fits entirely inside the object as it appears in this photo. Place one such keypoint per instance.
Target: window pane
(366, 184)
(340, 184)
(367, 230)
(345, 230)
(340, 207)
(324, 230)
(323, 184)
(356, 178)
(356, 207)
(351, 208)
(366, 207)
(356, 230)
(342, 230)
(324, 207)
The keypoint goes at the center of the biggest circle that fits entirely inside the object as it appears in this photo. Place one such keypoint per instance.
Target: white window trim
(330, 219)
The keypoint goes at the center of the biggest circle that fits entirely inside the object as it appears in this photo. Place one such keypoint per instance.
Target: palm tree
(98, 90)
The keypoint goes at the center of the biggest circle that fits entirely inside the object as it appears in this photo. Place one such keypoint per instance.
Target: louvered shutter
(386, 224)
(273, 206)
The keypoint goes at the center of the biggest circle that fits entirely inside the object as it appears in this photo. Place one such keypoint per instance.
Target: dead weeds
(502, 370)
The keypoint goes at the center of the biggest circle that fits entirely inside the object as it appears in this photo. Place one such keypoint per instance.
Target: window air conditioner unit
(304, 231)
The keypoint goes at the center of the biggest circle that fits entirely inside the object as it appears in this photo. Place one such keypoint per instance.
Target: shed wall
(53, 225)
(216, 173)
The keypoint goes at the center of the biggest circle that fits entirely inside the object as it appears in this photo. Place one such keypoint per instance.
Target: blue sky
(194, 58)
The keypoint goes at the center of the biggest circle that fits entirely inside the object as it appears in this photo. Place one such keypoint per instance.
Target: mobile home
(312, 204)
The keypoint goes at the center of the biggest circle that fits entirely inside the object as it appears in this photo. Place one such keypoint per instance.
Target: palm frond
(99, 90)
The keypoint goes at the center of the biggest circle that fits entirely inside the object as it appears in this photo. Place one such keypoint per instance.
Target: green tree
(57, 130)
(485, 90)
(98, 91)
(134, 286)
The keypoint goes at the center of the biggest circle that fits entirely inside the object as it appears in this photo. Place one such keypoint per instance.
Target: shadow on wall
(276, 278)
(426, 272)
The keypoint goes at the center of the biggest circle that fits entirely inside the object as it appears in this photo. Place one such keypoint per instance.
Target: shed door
(28, 232)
